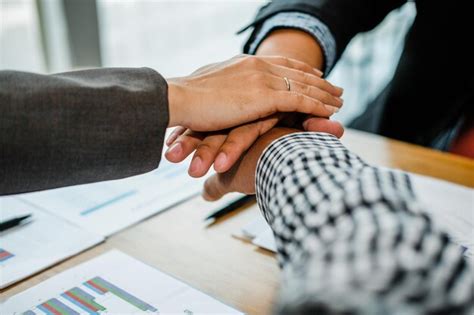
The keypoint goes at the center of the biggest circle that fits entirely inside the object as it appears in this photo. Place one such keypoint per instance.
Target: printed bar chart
(56, 307)
(102, 286)
(108, 202)
(5, 255)
(86, 302)
(83, 300)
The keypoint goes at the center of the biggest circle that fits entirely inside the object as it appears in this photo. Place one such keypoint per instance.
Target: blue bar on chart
(108, 202)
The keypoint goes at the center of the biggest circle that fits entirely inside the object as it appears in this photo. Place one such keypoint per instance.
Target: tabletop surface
(229, 269)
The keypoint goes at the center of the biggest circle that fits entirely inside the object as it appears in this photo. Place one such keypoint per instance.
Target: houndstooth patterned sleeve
(352, 238)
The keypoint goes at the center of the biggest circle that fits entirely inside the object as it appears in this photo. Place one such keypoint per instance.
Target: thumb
(318, 124)
(213, 188)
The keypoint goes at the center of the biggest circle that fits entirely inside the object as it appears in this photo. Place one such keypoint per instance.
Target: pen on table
(211, 218)
(14, 222)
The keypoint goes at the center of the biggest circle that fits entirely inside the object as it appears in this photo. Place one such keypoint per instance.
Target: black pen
(13, 222)
(210, 219)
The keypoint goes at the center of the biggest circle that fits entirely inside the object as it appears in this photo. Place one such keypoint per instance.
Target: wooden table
(231, 270)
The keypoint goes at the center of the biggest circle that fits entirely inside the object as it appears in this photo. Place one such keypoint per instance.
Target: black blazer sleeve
(345, 18)
(79, 127)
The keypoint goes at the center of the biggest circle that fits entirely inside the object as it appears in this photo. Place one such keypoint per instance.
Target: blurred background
(175, 37)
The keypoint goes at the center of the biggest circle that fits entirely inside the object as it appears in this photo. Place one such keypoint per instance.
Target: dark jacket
(433, 87)
(79, 127)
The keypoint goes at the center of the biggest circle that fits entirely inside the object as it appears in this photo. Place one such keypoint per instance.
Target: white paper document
(451, 206)
(113, 283)
(31, 247)
(258, 233)
(108, 207)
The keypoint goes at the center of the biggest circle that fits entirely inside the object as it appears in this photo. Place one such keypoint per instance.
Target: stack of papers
(69, 220)
(30, 248)
(101, 286)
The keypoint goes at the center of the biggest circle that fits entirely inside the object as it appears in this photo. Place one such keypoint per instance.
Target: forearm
(294, 44)
(353, 238)
(335, 20)
(79, 127)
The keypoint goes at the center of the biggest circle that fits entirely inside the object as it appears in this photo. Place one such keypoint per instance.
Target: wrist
(293, 43)
(176, 101)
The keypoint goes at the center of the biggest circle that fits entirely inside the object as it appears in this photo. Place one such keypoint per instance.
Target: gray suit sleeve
(79, 127)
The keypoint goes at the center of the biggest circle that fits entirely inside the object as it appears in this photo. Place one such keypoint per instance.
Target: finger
(279, 83)
(184, 146)
(291, 101)
(205, 154)
(213, 188)
(240, 140)
(178, 131)
(307, 78)
(292, 63)
(324, 125)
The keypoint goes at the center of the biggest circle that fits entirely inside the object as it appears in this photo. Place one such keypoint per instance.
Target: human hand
(224, 148)
(298, 45)
(241, 177)
(247, 88)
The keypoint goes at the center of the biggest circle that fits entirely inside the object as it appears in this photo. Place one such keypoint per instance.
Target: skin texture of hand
(294, 44)
(298, 45)
(224, 148)
(241, 177)
(247, 88)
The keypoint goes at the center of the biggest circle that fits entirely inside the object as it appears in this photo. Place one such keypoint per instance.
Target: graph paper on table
(108, 207)
(31, 247)
(113, 283)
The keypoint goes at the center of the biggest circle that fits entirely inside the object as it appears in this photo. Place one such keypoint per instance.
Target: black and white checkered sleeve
(352, 238)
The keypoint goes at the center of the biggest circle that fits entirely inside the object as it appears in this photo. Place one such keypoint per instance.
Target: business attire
(342, 227)
(430, 100)
(353, 238)
(79, 127)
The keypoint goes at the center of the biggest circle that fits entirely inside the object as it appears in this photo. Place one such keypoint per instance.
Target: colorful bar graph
(101, 285)
(57, 307)
(83, 300)
(108, 202)
(86, 301)
(4, 255)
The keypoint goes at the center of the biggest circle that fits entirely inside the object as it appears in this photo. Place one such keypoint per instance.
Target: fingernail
(332, 109)
(220, 161)
(195, 165)
(175, 149)
(341, 101)
(305, 125)
(170, 140)
(318, 71)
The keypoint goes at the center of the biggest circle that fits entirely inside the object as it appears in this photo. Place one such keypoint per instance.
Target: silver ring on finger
(288, 84)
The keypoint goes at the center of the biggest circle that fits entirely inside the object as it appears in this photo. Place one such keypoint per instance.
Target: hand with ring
(224, 147)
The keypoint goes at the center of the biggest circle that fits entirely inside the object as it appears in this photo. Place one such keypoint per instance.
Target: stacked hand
(229, 112)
